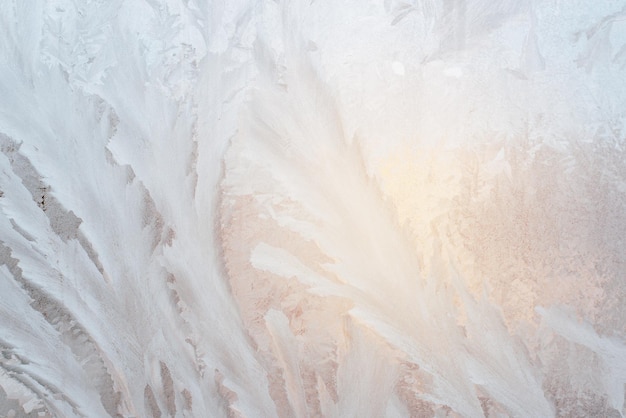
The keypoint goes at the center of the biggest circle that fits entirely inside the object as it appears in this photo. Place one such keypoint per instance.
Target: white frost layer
(312, 208)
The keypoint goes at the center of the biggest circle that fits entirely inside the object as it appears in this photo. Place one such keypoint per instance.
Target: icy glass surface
(312, 208)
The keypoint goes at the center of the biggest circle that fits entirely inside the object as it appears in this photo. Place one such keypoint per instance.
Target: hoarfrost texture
(372, 208)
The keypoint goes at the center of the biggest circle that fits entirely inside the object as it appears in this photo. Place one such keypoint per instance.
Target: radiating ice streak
(351, 224)
(44, 365)
(274, 168)
(612, 351)
(126, 220)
